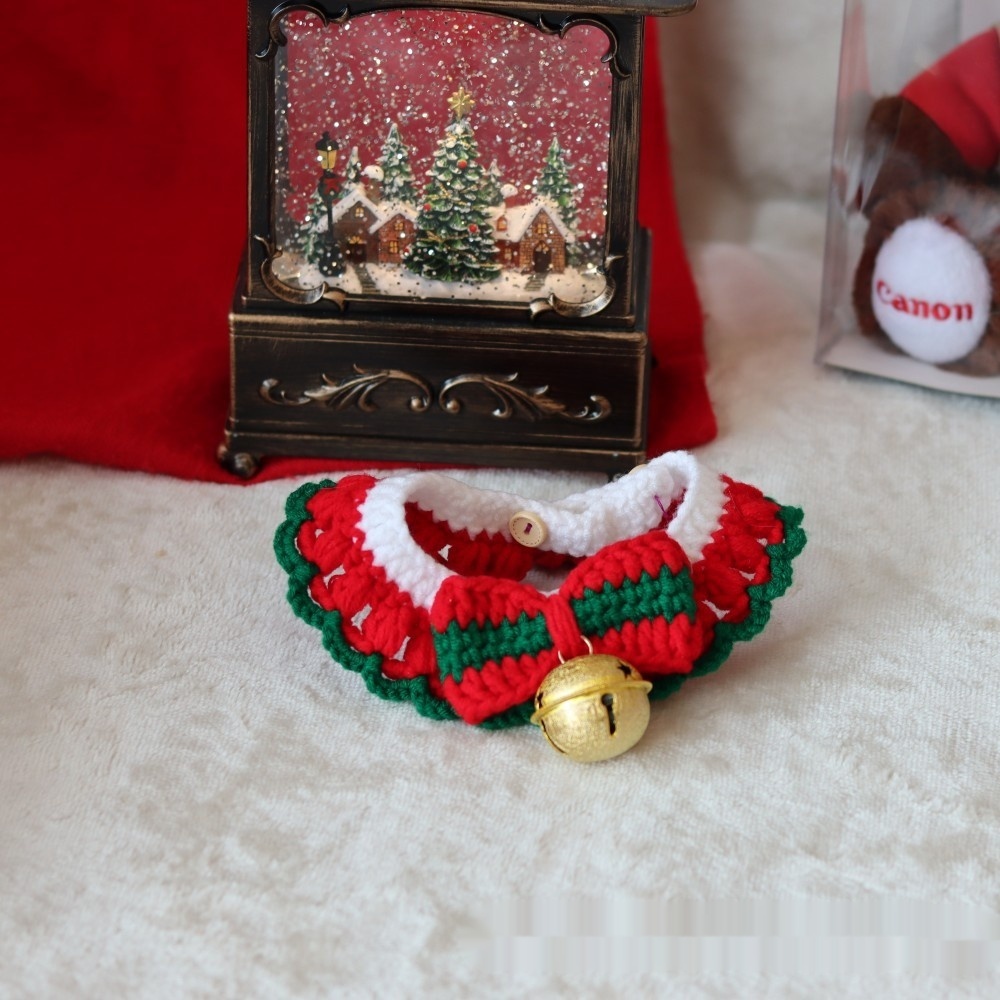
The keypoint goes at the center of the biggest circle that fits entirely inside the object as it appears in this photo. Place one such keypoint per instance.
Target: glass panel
(469, 156)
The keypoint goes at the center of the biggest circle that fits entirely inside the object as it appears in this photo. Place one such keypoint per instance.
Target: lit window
(394, 246)
(502, 224)
(359, 211)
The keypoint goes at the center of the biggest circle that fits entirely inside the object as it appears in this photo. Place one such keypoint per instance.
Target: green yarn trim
(762, 597)
(667, 595)
(300, 572)
(519, 715)
(476, 645)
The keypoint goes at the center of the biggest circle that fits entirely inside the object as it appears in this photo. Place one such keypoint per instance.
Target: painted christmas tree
(555, 185)
(397, 174)
(454, 238)
(492, 186)
(352, 172)
(310, 236)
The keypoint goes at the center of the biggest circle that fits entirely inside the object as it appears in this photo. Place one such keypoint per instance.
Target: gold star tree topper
(461, 103)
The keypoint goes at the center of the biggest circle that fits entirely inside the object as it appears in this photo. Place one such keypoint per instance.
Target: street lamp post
(331, 262)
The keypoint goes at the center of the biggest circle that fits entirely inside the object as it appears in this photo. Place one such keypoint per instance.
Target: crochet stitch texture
(415, 582)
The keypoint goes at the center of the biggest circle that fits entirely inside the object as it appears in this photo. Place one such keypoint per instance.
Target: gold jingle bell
(593, 707)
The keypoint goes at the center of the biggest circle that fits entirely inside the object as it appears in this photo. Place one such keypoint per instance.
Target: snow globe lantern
(443, 260)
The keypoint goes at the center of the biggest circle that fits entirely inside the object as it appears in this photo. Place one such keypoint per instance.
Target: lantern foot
(239, 463)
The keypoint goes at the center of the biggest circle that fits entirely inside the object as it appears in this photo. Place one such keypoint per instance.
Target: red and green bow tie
(496, 640)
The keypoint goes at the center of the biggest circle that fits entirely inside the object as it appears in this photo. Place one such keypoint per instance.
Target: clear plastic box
(911, 285)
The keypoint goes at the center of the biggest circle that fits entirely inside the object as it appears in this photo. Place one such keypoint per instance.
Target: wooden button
(528, 529)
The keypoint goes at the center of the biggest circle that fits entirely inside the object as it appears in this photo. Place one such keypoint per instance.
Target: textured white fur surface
(195, 802)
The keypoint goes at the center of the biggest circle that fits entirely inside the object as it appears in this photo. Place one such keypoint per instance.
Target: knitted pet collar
(435, 591)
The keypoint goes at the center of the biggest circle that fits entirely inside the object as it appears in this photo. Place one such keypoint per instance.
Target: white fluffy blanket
(195, 802)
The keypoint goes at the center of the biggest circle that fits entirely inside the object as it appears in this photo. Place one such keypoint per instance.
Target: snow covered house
(532, 238)
(370, 231)
(394, 231)
(355, 217)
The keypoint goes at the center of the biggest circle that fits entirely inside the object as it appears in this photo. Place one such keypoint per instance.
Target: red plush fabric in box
(125, 206)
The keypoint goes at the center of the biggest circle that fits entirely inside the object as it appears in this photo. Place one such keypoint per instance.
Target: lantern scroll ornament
(417, 216)
(535, 402)
(356, 389)
(276, 37)
(573, 21)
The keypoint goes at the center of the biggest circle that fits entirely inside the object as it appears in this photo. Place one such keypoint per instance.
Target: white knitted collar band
(579, 525)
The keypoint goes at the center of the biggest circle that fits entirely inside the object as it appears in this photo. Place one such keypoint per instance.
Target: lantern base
(458, 391)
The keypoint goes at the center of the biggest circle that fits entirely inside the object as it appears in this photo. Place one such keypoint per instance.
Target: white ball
(931, 291)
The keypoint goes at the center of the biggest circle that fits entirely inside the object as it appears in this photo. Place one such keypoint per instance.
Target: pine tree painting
(397, 175)
(555, 184)
(454, 238)
(310, 237)
(352, 172)
(492, 187)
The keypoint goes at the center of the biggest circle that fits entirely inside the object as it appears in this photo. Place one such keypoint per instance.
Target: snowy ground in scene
(573, 285)
(294, 271)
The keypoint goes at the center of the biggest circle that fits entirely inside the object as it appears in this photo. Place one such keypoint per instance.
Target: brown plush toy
(928, 281)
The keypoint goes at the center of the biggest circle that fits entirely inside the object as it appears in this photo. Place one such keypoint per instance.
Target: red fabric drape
(124, 210)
